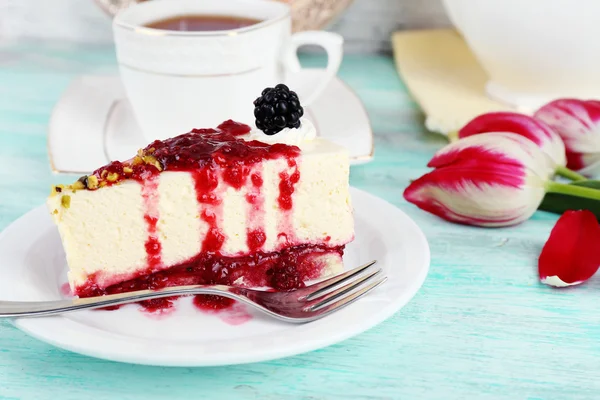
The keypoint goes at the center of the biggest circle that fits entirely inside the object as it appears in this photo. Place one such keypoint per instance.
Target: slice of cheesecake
(209, 206)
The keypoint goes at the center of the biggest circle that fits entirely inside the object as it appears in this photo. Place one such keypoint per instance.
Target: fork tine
(326, 309)
(320, 288)
(342, 291)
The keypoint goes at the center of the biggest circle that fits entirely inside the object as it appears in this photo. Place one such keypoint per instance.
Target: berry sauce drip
(151, 215)
(206, 182)
(286, 185)
(158, 305)
(209, 302)
(287, 181)
(214, 239)
(255, 218)
(283, 270)
(277, 108)
(256, 239)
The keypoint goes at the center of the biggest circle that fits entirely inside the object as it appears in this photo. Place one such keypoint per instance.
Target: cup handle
(332, 43)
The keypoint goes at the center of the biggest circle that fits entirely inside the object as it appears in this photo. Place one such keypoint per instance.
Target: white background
(366, 25)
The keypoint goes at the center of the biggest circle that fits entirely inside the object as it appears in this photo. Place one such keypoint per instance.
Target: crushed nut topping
(77, 186)
(65, 201)
(92, 182)
(56, 189)
(152, 161)
(112, 177)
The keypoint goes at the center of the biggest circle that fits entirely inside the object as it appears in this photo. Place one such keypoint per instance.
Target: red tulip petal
(497, 150)
(471, 196)
(571, 255)
(523, 125)
(578, 124)
(582, 161)
(520, 124)
(575, 160)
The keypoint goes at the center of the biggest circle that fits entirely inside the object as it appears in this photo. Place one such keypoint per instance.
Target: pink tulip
(578, 124)
(524, 125)
(496, 179)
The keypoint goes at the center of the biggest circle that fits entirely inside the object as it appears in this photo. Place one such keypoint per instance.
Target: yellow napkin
(443, 76)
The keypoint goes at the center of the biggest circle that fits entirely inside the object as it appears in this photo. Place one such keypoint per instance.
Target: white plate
(92, 123)
(33, 267)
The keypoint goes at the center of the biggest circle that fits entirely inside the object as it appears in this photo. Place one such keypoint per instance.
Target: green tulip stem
(572, 190)
(569, 174)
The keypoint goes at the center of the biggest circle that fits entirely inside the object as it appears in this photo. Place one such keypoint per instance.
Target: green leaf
(559, 203)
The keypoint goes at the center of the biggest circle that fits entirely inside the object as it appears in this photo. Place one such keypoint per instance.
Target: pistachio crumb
(137, 160)
(56, 189)
(103, 174)
(65, 201)
(113, 176)
(127, 170)
(55, 212)
(92, 182)
(78, 186)
(152, 161)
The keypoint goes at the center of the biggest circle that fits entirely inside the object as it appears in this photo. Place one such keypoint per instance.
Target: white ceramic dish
(534, 51)
(33, 267)
(92, 123)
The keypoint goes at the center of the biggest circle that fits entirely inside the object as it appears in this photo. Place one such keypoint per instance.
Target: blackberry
(277, 108)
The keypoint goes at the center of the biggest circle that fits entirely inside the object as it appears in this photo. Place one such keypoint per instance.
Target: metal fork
(299, 306)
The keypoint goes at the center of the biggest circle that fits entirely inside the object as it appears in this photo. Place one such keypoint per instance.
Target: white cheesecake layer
(104, 231)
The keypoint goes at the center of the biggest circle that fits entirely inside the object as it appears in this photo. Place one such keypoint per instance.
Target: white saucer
(92, 123)
(33, 267)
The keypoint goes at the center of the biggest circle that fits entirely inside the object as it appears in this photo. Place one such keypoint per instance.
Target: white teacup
(179, 80)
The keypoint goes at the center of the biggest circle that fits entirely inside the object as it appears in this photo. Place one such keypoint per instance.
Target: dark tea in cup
(202, 23)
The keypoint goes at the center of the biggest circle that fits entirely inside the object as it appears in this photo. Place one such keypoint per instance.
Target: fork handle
(12, 309)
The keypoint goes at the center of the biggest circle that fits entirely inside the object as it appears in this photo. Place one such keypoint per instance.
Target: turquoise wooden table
(481, 327)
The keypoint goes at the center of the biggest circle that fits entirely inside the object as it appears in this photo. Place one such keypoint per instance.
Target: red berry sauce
(255, 236)
(286, 186)
(283, 270)
(209, 302)
(216, 159)
(201, 149)
(235, 128)
(153, 246)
